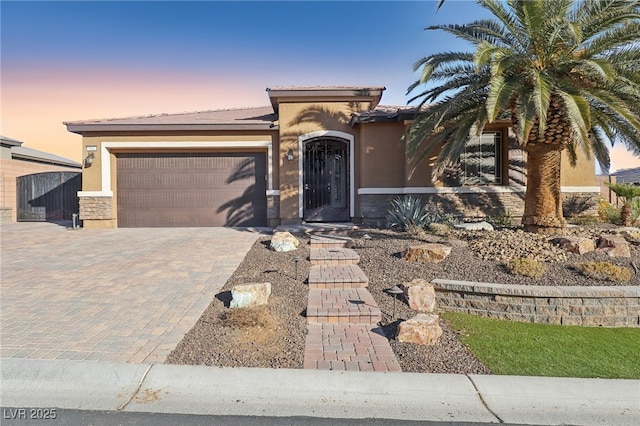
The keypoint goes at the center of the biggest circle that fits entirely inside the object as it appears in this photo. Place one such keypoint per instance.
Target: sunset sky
(68, 61)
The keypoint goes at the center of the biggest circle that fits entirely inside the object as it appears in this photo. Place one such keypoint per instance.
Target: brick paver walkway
(339, 276)
(334, 256)
(341, 313)
(123, 295)
(351, 305)
(348, 347)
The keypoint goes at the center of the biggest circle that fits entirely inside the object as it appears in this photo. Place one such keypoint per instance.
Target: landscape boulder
(578, 245)
(427, 253)
(614, 245)
(474, 226)
(631, 234)
(420, 294)
(247, 295)
(284, 241)
(423, 329)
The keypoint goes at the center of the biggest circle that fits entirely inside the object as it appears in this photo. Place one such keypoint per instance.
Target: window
(481, 162)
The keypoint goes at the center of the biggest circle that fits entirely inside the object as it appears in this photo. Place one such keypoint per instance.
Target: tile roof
(323, 88)
(263, 118)
(9, 142)
(30, 154)
(239, 118)
(19, 152)
(628, 175)
(256, 114)
(385, 113)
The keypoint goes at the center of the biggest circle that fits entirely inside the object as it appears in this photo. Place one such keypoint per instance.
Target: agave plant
(407, 213)
(626, 193)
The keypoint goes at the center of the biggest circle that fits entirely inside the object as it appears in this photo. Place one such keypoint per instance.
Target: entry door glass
(326, 181)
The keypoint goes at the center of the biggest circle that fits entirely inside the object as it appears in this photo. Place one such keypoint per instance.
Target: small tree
(626, 193)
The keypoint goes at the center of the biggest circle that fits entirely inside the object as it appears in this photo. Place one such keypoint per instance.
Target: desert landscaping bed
(273, 336)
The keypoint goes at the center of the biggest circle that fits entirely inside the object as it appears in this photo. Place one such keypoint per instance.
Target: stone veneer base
(613, 306)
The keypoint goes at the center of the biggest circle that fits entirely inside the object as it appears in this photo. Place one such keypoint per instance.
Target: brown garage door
(203, 189)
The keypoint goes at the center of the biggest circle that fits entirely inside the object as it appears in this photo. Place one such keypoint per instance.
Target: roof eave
(104, 127)
(38, 159)
(326, 94)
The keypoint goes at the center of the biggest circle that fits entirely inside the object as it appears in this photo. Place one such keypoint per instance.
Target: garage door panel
(193, 198)
(191, 189)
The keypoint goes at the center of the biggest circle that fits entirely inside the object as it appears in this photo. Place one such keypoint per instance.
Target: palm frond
(576, 61)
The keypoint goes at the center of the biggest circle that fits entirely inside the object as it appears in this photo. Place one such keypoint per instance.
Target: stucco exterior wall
(583, 174)
(301, 118)
(10, 169)
(381, 160)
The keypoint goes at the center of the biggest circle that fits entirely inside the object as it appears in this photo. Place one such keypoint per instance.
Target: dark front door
(326, 181)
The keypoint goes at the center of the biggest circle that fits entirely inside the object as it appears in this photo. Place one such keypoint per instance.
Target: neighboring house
(629, 176)
(16, 161)
(316, 154)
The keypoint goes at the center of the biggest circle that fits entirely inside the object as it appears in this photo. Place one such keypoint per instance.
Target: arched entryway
(326, 179)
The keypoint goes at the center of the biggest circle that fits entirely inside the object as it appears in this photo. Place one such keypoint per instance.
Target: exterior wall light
(88, 160)
(290, 154)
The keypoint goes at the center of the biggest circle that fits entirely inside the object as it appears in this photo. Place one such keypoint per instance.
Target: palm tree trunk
(625, 215)
(543, 199)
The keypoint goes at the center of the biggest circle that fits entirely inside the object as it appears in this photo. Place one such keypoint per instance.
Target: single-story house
(628, 176)
(324, 154)
(16, 161)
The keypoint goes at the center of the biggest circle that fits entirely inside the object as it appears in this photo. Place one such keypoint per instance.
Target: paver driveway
(124, 295)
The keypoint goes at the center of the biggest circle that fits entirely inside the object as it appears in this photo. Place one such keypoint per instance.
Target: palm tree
(567, 75)
(626, 193)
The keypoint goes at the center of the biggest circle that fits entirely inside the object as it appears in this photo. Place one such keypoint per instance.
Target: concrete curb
(162, 388)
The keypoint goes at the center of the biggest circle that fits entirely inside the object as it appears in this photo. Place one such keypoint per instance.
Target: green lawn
(514, 348)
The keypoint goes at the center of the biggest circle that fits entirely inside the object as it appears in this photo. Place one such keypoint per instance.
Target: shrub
(608, 213)
(407, 213)
(416, 231)
(243, 318)
(626, 193)
(439, 229)
(526, 267)
(435, 214)
(604, 271)
(584, 220)
(504, 219)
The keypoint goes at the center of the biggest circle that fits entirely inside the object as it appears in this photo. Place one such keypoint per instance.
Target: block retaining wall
(615, 306)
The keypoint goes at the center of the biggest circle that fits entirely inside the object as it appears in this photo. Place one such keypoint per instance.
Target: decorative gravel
(213, 341)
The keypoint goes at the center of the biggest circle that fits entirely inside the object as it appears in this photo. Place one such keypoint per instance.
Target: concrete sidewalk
(161, 388)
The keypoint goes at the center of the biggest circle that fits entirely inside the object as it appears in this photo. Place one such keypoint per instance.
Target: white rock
(423, 329)
(427, 253)
(246, 295)
(474, 226)
(420, 294)
(284, 241)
